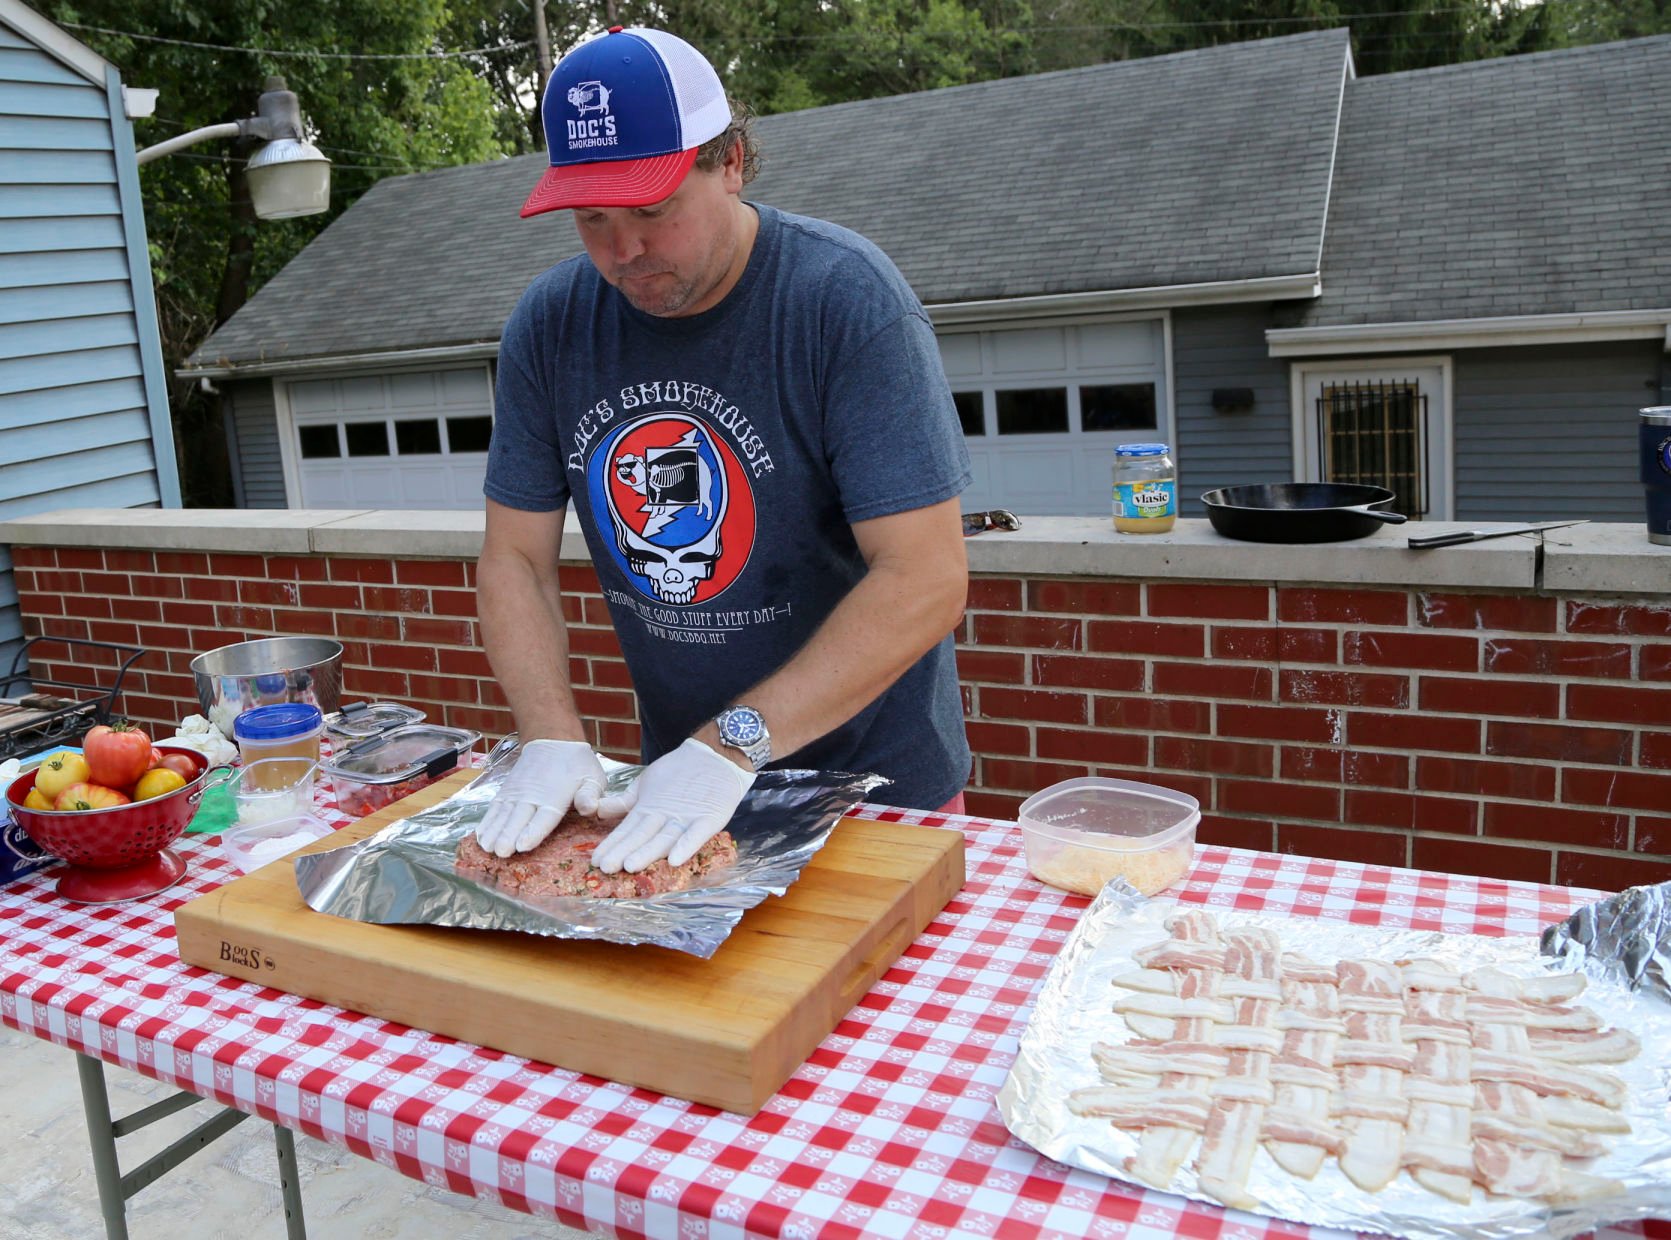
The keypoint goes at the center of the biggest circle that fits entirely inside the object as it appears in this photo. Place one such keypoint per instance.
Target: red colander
(120, 853)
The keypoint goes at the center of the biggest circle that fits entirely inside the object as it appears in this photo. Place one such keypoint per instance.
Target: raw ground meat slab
(561, 865)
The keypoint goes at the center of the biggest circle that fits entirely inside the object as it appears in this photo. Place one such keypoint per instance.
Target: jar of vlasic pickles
(1145, 488)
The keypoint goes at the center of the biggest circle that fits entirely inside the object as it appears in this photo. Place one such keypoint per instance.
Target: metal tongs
(1468, 536)
(997, 519)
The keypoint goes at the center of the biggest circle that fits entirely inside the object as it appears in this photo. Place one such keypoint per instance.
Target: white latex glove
(677, 804)
(548, 778)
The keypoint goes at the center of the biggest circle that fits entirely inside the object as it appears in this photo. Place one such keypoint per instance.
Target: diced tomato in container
(382, 769)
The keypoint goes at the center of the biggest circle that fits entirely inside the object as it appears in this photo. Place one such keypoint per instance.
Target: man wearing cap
(746, 412)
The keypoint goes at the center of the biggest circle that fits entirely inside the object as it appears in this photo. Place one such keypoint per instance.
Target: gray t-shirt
(715, 463)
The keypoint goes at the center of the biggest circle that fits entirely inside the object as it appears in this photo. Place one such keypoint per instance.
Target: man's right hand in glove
(549, 777)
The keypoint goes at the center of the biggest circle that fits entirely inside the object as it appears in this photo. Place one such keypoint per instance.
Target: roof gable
(1529, 185)
(53, 40)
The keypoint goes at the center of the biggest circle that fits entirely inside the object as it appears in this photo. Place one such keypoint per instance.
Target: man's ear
(731, 171)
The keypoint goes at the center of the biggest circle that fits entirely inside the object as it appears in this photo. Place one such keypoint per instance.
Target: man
(747, 413)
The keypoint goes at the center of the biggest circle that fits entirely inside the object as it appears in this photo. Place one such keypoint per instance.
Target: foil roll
(404, 874)
(1627, 936)
(1074, 1011)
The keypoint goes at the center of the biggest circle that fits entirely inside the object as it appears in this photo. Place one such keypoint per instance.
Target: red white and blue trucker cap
(624, 114)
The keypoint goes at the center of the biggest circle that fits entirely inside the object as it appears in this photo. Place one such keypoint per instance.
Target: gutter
(381, 360)
(1160, 297)
(1427, 335)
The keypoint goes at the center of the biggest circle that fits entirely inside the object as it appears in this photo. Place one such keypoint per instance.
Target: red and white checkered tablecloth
(889, 1129)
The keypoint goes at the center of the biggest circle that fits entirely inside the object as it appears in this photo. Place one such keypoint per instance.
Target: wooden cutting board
(727, 1031)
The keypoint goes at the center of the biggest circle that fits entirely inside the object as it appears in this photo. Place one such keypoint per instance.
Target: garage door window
(1042, 408)
(409, 440)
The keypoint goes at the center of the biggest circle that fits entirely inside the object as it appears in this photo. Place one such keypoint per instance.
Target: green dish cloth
(216, 812)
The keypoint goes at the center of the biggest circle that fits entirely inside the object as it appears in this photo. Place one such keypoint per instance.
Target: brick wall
(1515, 735)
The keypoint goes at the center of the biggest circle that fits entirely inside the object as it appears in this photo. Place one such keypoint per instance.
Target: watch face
(742, 726)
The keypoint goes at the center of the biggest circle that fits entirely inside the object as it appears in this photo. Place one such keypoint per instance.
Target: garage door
(414, 440)
(1044, 407)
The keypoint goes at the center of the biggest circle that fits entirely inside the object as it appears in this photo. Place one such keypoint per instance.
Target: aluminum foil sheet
(1074, 1010)
(1627, 937)
(404, 874)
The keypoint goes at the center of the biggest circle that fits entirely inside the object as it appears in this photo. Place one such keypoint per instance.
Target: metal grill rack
(37, 712)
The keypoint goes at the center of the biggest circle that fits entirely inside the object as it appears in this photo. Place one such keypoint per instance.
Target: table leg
(290, 1183)
(115, 1188)
(101, 1133)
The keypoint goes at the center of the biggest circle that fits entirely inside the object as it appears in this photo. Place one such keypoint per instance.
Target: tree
(374, 118)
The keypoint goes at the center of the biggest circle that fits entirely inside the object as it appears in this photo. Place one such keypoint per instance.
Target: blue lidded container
(284, 730)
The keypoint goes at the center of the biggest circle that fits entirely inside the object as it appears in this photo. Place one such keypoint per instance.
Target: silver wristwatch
(744, 728)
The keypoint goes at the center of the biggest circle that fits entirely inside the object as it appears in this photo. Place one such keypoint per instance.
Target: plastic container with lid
(381, 769)
(252, 845)
(1082, 833)
(1145, 488)
(358, 720)
(283, 730)
(275, 788)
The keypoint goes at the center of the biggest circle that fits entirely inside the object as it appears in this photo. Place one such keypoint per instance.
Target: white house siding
(82, 404)
(1224, 347)
(253, 442)
(1550, 432)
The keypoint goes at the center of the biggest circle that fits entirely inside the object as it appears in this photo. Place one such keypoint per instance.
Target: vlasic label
(1140, 501)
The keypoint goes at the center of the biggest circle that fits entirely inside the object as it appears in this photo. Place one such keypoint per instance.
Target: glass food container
(358, 720)
(381, 769)
(1145, 489)
(284, 730)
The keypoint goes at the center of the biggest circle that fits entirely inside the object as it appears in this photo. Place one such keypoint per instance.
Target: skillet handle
(1390, 518)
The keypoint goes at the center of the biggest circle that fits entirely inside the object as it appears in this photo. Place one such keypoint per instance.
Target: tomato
(158, 783)
(180, 764)
(117, 754)
(60, 771)
(156, 758)
(89, 796)
(37, 800)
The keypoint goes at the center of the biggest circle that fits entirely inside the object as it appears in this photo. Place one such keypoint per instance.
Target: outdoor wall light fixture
(287, 174)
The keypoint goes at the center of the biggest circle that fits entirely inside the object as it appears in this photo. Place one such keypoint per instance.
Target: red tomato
(156, 758)
(89, 796)
(117, 754)
(180, 765)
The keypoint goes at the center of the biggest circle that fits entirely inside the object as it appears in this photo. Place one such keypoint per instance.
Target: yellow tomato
(60, 771)
(36, 800)
(159, 781)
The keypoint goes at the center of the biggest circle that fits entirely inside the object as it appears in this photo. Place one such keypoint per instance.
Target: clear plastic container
(381, 769)
(285, 730)
(1145, 489)
(1082, 833)
(359, 720)
(270, 788)
(251, 846)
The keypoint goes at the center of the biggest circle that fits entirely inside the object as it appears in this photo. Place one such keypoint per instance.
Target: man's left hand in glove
(677, 804)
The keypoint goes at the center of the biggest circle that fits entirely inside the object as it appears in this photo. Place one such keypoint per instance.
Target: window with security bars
(1373, 433)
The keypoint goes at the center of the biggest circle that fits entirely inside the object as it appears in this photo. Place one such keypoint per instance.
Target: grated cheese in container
(1082, 833)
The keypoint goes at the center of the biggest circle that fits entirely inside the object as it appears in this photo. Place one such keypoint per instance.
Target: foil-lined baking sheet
(1074, 1011)
(404, 874)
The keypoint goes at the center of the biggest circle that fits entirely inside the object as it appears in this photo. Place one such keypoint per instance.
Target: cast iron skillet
(1300, 512)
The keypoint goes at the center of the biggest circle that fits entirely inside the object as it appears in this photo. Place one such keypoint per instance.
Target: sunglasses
(997, 519)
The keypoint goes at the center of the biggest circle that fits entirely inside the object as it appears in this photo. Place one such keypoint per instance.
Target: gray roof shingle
(1535, 184)
(1197, 167)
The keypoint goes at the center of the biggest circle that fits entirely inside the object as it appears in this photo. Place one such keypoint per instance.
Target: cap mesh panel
(703, 111)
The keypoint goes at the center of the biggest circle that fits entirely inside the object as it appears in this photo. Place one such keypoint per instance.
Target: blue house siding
(1542, 434)
(1224, 347)
(82, 395)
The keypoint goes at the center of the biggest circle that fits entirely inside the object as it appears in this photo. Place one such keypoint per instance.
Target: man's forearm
(527, 643)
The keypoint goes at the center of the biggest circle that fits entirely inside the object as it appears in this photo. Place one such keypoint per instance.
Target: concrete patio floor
(231, 1188)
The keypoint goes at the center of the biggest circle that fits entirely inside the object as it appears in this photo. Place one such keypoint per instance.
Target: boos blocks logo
(680, 504)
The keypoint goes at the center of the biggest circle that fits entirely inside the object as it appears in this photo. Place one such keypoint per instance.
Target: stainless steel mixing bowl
(234, 678)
